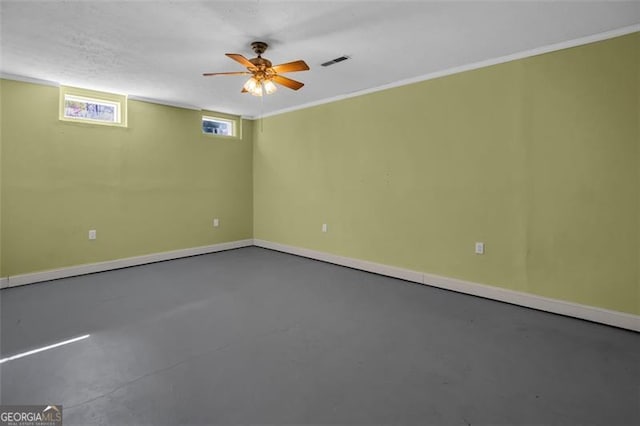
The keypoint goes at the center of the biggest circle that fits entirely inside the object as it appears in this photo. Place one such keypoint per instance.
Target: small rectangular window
(218, 126)
(91, 109)
(95, 107)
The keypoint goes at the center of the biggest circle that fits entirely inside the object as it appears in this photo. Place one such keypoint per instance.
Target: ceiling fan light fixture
(269, 87)
(259, 87)
(252, 86)
(264, 75)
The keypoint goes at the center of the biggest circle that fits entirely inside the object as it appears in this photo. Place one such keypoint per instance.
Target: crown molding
(467, 67)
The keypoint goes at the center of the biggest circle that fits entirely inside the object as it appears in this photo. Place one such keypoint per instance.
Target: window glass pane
(217, 126)
(90, 109)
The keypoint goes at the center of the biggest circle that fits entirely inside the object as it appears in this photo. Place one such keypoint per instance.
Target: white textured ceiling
(159, 49)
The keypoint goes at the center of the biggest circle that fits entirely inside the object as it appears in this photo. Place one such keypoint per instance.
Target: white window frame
(118, 102)
(232, 123)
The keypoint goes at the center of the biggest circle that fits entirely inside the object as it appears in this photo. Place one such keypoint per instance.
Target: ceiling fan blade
(287, 82)
(244, 90)
(291, 67)
(208, 74)
(240, 59)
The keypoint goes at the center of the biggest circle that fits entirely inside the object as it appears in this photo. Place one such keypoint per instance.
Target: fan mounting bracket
(259, 47)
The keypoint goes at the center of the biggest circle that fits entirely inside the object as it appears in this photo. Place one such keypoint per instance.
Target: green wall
(2, 274)
(538, 158)
(151, 187)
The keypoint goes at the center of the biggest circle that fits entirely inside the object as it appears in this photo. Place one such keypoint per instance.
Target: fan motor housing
(261, 62)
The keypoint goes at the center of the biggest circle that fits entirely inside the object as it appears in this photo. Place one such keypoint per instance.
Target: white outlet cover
(324, 227)
(216, 223)
(92, 234)
(479, 248)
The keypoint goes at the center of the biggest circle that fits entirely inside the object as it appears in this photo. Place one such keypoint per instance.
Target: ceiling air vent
(335, 61)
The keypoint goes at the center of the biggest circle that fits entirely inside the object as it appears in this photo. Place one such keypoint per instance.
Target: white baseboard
(91, 268)
(590, 313)
(377, 268)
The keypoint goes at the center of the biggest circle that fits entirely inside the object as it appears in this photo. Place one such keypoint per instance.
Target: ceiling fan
(263, 74)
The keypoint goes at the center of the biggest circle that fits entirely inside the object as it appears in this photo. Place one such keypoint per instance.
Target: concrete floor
(254, 336)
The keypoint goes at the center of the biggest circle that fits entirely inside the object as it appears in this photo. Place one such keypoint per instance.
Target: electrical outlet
(324, 227)
(479, 248)
(216, 223)
(92, 234)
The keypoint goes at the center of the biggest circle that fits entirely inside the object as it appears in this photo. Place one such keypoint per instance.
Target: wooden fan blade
(287, 82)
(291, 67)
(240, 59)
(244, 90)
(208, 74)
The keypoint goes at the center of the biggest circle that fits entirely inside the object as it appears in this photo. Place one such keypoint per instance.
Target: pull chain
(262, 108)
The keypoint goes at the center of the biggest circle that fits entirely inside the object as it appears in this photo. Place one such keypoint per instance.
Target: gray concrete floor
(255, 336)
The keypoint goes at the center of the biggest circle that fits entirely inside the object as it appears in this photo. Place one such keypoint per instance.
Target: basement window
(88, 106)
(220, 126)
